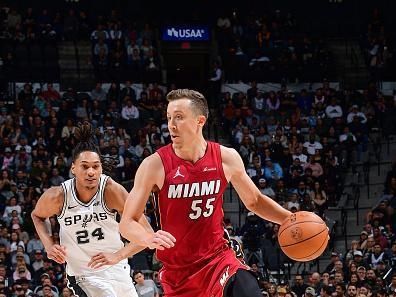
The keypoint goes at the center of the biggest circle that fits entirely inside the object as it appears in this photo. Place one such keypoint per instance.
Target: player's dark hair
(198, 100)
(136, 272)
(86, 142)
(85, 136)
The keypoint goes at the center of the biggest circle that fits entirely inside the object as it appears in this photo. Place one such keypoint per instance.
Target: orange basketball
(303, 236)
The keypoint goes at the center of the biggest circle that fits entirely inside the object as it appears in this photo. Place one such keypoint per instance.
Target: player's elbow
(252, 203)
(33, 216)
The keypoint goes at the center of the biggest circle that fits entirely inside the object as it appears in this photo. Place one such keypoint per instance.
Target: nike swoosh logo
(71, 207)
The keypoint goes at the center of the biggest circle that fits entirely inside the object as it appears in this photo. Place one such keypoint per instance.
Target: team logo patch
(178, 173)
(224, 277)
(296, 233)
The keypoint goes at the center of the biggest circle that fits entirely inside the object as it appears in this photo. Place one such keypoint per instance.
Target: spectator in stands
(271, 290)
(68, 130)
(311, 291)
(256, 170)
(14, 19)
(7, 162)
(22, 272)
(293, 203)
(151, 66)
(146, 288)
(334, 110)
(66, 292)
(299, 285)
(128, 90)
(359, 260)
(298, 154)
(56, 179)
(348, 143)
(135, 64)
(99, 94)
(314, 283)
(13, 205)
(51, 95)
(277, 147)
(272, 171)
(17, 227)
(265, 189)
(350, 253)
(142, 146)
(215, 80)
(351, 290)
(371, 277)
(245, 148)
(23, 160)
(369, 244)
(18, 257)
(99, 33)
(312, 146)
(361, 272)
(378, 216)
(115, 32)
(356, 113)
(131, 117)
(46, 286)
(340, 288)
(18, 290)
(334, 257)
(317, 170)
(319, 198)
(379, 238)
(272, 103)
(15, 242)
(363, 239)
(71, 25)
(38, 262)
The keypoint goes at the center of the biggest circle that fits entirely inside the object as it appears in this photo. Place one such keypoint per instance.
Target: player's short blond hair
(198, 101)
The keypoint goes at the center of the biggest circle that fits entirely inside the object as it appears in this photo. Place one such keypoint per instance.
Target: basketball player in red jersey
(190, 176)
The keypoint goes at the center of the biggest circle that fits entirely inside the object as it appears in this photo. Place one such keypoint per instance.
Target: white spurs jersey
(87, 229)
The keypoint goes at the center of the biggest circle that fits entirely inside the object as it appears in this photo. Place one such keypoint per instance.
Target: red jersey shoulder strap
(165, 154)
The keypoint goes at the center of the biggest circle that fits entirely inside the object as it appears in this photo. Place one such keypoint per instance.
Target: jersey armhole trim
(220, 160)
(102, 198)
(64, 206)
(165, 166)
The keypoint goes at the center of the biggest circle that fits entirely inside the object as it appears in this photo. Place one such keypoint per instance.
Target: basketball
(303, 236)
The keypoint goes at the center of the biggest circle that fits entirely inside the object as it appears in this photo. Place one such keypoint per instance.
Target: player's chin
(176, 139)
(177, 142)
(91, 183)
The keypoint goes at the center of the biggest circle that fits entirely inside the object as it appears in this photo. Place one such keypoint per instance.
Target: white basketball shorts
(112, 282)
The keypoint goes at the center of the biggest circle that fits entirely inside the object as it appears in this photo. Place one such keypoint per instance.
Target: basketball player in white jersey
(90, 243)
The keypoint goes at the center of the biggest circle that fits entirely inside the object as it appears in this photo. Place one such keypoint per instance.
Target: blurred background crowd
(300, 143)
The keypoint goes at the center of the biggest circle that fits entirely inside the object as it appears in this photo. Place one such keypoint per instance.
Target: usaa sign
(185, 33)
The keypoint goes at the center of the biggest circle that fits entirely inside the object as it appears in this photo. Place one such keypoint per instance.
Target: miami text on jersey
(194, 189)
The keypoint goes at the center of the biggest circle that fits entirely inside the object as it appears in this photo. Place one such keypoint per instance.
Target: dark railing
(78, 63)
(356, 199)
(366, 176)
(344, 223)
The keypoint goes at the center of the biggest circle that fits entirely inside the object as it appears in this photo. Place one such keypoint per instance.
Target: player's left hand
(102, 259)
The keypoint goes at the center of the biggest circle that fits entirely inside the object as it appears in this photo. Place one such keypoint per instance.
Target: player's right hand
(57, 253)
(160, 240)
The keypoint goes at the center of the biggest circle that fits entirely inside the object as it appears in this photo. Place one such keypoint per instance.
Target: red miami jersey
(191, 207)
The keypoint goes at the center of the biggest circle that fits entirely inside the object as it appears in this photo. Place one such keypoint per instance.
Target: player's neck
(193, 152)
(85, 194)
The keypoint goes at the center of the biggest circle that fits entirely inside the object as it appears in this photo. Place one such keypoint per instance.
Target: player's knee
(243, 285)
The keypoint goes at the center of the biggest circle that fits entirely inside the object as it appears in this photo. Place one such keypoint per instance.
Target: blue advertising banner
(185, 33)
